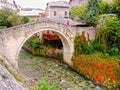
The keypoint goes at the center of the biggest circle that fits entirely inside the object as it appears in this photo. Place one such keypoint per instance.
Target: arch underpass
(12, 39)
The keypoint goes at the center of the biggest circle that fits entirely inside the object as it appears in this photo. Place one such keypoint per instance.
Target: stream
(35, 68)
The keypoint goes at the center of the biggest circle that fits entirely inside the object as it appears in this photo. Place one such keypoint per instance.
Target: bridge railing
(63, 21)
(41, 20)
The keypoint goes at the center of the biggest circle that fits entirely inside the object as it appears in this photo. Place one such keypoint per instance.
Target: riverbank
(35, 68)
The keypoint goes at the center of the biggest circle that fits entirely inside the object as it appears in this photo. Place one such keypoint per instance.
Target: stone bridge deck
(12, 39)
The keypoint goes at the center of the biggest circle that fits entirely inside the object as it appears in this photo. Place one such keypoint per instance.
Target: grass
(44, 85)
(4, 76)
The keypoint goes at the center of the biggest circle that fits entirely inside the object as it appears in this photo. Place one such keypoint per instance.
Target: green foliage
(86, 49)
(4, 15)
(36, 42)
(60, 56)
(81, 45)
(116, 7)
(36, 45)
(31, 21)
(4, 76)
(77, 11)
(95, 45)
(92, 12)
(90, 17)
(104, 7)
(108, 34)
(33, 42)
(114, 51)
(25, 19)
(43, 85)
(117, 72)
(9, 17)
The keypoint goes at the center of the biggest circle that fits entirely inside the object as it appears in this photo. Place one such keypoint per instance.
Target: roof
(31, 12)
(30, 9)
(58, 3)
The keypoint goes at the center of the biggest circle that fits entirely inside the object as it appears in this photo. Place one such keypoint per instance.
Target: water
(35, 68)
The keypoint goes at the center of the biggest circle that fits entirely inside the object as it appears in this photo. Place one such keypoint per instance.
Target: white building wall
(60, 12)
(60, 7)
(32, 14)
(77, 3)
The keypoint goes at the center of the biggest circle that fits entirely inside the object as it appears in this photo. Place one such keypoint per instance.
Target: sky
(33, 3)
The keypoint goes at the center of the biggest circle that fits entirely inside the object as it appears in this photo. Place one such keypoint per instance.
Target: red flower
(99, 77)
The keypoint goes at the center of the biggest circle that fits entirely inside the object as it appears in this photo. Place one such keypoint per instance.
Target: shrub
(43, 85)
(4, 76)
(104, 7)
(60, 56)
(96, 45)
(108, 34)
(82, 46)
(86, 49)
(114, 51)
(117, 72)
(102, 70)
(77, 11)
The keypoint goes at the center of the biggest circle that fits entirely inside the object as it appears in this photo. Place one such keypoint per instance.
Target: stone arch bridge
(12, 39)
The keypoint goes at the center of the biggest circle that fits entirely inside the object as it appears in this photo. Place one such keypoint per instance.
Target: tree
(109, 33)
(116, 7)
(4, 14)
(104, 7)
(92, 12)
(9, 18)
(77, 11)
(25, 19)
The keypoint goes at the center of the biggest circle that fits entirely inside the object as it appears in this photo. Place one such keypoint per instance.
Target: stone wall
(87, 30)
(8, 82)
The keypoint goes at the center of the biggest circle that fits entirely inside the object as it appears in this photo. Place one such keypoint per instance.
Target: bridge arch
(67, 45)
(12, 39)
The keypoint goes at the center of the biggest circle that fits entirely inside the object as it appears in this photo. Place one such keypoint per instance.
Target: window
(55, 13)
(65, 13)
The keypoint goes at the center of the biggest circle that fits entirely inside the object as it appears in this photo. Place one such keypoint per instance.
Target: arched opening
(67, 47)
(66, 57)
(45, 44)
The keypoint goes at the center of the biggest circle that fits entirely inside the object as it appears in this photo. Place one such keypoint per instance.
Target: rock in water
(63, 82)
(98, 88)
(8, 82)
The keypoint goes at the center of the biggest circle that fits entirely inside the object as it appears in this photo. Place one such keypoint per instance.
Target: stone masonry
(12, 39)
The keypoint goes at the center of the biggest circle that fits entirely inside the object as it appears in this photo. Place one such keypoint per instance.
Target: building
(58, 9)
(6, 4)
(32, 13)
(77, 2)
